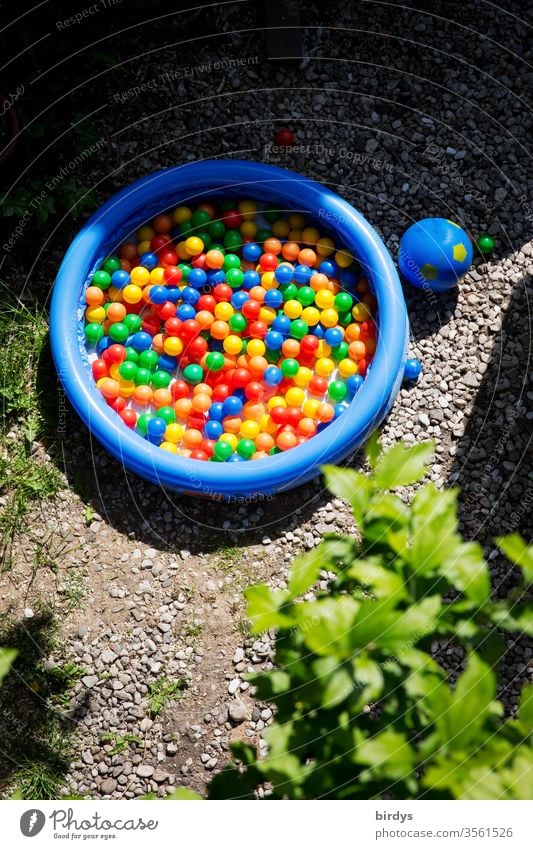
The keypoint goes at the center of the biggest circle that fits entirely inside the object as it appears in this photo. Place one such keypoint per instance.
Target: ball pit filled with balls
(229, 327)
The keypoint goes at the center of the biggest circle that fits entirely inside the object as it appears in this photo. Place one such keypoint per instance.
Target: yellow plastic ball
(115, 294)
(325, 246)
(231, 438)
(223, 311)
(144, 247)
(323, 350)
(293, 309)
(157, 276)
(267, 425)
(324, 299)
(139, 275)
(267, 314)
(174, 432)
(361, 311)
(268, 280)
(248, 209)
(114, 371)
(181, 251)
(294, 235)
(296, 220)
(181, 214)
(232, 344)
(347, 367)
(173, 346)
(311, 316)
(310, 235)
(256, 348)
(95, 314)
(295, 396)
(343, 259)
(146, 233)
(250, 429)
(303, 376)
(169, 446)
(248, 229)
(324, 366)
(280, 229)
(194, 245)
(276, 401)
(329, 317)
(310, 407)
(126, 387)
(132, 294)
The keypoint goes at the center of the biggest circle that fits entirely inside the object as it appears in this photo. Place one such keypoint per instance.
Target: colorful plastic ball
(283, 274)
(245, 448)
(222, 451)
(302, 274)
(299, 328)
(413, 369)
(485, 244)
(434, 254)
(289, 367)
(353, 384)
(272, 376)
(193, 373)
(101, 279)
(334, 336)
(337, 390)
(284, 137)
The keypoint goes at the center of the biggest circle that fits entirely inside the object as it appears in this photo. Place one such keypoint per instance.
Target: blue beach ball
(434, 254)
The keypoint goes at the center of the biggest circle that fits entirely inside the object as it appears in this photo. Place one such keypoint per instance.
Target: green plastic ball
(143, 377)
(216, 229)
(345, 318)
(343, 302)
(142, 423)
(306, 296)
(237, 322)
(231, 261)
(148, 359)
(186, 228)
(262, 235)
(289, 367)
(485, 244)
(222, 450)
(340, 352)
(193, 373)
(206, 239)
(299, 328)
(200, 218)
(111, 264)
(132, 355)
(232, 240)
(245, 448)
(275, 450)
(289, 291)
(93, 332)
(214, 360)
(271, 356)
(102, 279)
(119, 332)
(185, 269)
(234, 277)
(271, 215)
(133, 322)
(160, 379)
(167, 414)
(337, 390)
(128, 370)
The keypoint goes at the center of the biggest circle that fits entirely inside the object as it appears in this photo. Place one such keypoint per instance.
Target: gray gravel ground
(407, 115)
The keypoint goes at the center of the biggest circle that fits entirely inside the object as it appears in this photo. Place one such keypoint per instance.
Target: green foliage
(162, 691)
(7, 656)
(363, 708)
(120, 742)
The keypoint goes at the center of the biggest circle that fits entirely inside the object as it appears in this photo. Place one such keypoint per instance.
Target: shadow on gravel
(35, 729)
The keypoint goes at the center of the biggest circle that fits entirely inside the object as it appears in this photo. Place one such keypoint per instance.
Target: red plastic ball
(117, 404)
(222, 292)
(284, 137)
(268, 262)
(199, 261)
(159, 242)
(172, 326)
(116, 353)
(294, 414)
(99, 369)
(207, 446)
(179, 389)
(197, 348)
(279, 415)
(232, 218)
(206, 302)
(189, 329)
(151, 324)
(197, 454)
(173, 275)
(166, 310)
(309, 345)
(168, 258)
(251, 309)
(257, 330)
(240, 377)
(318, 385)
(129, 417)
(221, 392)
(254, 391)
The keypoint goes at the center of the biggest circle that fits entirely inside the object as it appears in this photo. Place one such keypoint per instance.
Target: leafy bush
(363, 709)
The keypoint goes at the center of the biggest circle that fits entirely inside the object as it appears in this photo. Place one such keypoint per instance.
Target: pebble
(237, 711)
(145, 771)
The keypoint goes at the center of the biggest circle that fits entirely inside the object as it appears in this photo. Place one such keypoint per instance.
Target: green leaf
(387, 753)
(326, 625)
(264, 608)
(402, 465)
(7, 656)
(468, 570)
(403, 630)
(517, 551)
(304, 571)
(353, 487)
(525, 708)
(373, 448)
(434, 537)
(521, 621)
(184, 794)
(470, 703)
(383, 583)
(339, 686)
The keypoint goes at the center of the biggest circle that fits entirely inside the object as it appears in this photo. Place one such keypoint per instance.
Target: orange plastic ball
(272, 246)
(162, 398)
(109, 388)
(116, 312)
(162, 223)
(143, 395)
(192, 437)
(201, 403)
(307, 426)
(307, 257)
(94, 296)
(232, 424)
(257, 366)
(286, 439)
(325, 412)
(214, 259)
(264, 442)
(290, 251)
(182, 407)
(356, 350)
(290, 348)
(219, 329)
(352, 332)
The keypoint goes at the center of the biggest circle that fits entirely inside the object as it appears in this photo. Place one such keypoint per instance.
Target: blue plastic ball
(232, 406)
(347, 278)
(167, 363)
(274, 340)
(339, 409)
(238, 299)
(120, 278)
(283, 274)
(272, 376)
(104, 343)
(328, 267)
(150, 261)
(273, 298)
(216, 276)
(213, 429)
(413, 369)
(156, 429)
(158, 294)
(353, 384)
(434, 254)
(302, 273)
(251, 279)
(141, 341)
(185, 311)
(334, 336)
(282, 324)
(190, 295)
(235, 458)
(197, 278)
(174, 294)
(215, 411)
(251, 252)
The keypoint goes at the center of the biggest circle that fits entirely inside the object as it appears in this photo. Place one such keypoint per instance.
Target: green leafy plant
(364, 710)
(162, 691)
(120, 742)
